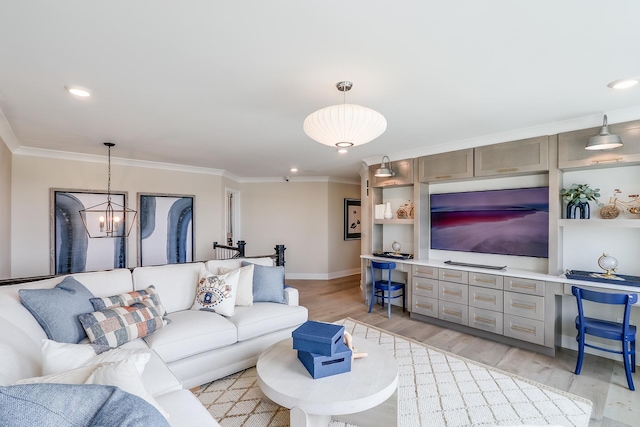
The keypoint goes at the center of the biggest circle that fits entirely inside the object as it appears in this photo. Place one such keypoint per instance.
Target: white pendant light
(108, 219)
(345, 125)
(604, 140)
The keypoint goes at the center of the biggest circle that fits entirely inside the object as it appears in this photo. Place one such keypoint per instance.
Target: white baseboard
(321, 276)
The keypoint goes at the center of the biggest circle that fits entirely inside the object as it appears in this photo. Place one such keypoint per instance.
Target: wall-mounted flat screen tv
(506, 222)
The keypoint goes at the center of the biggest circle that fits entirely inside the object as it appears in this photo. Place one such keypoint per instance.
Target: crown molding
(584, 122)
(6, 134)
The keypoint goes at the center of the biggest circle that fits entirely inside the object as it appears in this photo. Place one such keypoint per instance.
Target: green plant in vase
(578, 197)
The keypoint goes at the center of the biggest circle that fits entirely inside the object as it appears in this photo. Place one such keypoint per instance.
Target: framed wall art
(72, 251)
(165, 229)
(352, 226)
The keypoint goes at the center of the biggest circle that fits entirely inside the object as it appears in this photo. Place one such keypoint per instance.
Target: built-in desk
(512, 306)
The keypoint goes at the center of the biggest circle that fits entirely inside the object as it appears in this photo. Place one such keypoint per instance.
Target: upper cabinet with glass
(524, 156)
(403, 174)
(572, 154)
(446, 166)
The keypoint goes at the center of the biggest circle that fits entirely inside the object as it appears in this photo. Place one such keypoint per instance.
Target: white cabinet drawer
(529, 306)
(489, 299)
(425, 306)
(453, 275)
(453, 292)
(486, 320)
(428, 272)
(425, 287)
(486, 280)
(452, 312)
(524, 329)
(526, 286)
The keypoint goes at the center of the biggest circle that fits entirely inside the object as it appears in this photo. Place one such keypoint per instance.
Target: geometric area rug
(435, 388)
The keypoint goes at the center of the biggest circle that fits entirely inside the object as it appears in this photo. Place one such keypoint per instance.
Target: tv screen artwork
(506, 222)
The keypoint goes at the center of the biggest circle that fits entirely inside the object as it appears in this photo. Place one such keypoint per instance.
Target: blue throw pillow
(268, 283)
(57, 309)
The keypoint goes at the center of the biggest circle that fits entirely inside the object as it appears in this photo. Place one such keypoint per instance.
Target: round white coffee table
(368, 392)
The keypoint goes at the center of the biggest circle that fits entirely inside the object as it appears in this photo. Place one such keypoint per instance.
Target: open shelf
(598, 222)
(394, 221)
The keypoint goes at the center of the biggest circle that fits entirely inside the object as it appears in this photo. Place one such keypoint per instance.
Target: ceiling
(227, 84)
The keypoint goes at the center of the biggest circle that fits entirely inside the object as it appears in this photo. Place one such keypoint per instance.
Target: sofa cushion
(233, 263)
(118, 325)
(268, 283)
(157, 377)
(192, 332)
(244, 293)
(216, 292)
(185, 410)
(57, 309)
(266, 317)
(176, 283)
(59, 357)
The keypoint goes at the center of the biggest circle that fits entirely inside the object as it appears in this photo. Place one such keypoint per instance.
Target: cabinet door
(522, 305)
(571, 152)
(486, 280)
(403, 174)
(524, 329)
(453, 292)
(486, 320)
(452, 312)
(446, 166)
(456, 276)
(424, 271)
(425, 287)
(525, 286)
(527, 155)
(425, 306)
(489, 299)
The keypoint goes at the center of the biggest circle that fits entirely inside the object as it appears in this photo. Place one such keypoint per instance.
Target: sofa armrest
(291, 296)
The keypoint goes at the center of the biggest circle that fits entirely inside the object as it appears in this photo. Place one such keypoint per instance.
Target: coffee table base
(383, 415)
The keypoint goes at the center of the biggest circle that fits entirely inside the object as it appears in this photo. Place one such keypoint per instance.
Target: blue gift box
(318, 337)
(320, 366)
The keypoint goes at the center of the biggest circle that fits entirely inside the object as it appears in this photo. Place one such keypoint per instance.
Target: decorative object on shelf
(405, 211)
(108, 219)
(604, 140)
(609, 264)
(615, 206)
(387, 211)
(344, 125)
(396, 246)
(577, 197)
(384, 171)
(379, 211)
(352, 216)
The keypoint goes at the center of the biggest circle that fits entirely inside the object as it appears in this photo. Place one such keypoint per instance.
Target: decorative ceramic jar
(387, 211)
(578, 210)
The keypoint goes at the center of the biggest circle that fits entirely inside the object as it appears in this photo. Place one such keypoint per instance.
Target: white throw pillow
(216, 292)
(244, 296)
(60, 357)
(122, 374)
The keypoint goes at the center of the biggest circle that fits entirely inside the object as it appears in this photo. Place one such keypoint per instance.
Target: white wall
(344, 255)
(5, 211)
(33, 177)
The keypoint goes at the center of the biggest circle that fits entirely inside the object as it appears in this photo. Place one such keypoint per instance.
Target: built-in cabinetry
(524, 156)
(503, 305)
(446, 166)
(571, 152)
(403, 174)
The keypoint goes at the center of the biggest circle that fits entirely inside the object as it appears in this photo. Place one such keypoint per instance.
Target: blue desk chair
(382, 288)
(606, 329)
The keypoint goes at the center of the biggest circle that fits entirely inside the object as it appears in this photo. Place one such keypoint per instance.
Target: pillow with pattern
(128, 298)
(118, 325)
(217, 292)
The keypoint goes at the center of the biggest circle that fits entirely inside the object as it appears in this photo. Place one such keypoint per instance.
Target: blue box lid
(317, 331)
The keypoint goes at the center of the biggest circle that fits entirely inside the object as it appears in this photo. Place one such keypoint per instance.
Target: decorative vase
(387, 211)
(578, 210)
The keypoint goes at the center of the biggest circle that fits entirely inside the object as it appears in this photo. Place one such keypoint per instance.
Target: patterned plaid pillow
(126, 299)
(118, 325)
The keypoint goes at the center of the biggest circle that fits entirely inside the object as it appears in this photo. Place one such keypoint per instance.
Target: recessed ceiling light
(79, 91)
(623, 83)
(293, 169)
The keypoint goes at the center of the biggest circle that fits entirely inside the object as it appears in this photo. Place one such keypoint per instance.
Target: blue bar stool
(623, 332)
(382, 288)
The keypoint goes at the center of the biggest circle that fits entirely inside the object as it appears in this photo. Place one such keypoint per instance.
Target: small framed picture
(352, 226)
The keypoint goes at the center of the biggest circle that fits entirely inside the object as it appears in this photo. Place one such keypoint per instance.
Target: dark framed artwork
(72, 251)
(352, 226)
(165, 229)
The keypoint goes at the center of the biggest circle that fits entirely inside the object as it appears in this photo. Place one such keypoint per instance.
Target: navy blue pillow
(268, 283)
(57, 309)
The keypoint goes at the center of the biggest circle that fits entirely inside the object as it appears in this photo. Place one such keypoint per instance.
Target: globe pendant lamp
(108, 219)
(604, 140)
(344, 125)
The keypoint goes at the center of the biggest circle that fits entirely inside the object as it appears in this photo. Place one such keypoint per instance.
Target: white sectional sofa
(194, 348)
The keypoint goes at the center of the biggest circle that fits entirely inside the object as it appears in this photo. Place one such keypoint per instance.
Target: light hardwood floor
(602, 380)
